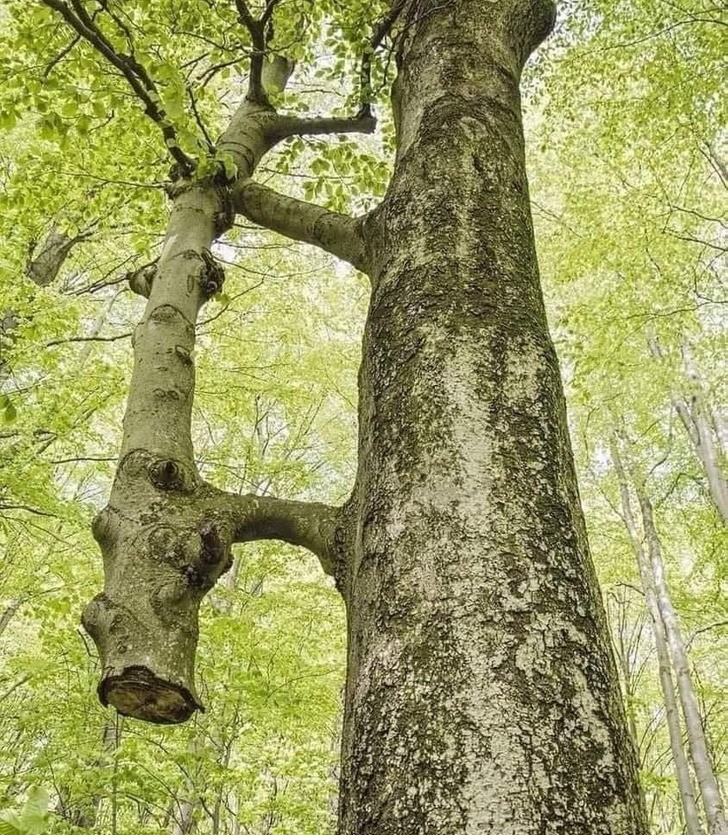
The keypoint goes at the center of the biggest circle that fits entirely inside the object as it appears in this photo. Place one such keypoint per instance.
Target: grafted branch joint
(339, 234)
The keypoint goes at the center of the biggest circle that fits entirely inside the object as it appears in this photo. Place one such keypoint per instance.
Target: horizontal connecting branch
(339, 234)
(284, 126)
(311, 525)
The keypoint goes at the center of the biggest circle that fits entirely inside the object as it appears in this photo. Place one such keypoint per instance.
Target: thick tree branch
(310, 525)
(246, 18)
(43, 268)
(336, 233)
(339, 234)
(285, 126)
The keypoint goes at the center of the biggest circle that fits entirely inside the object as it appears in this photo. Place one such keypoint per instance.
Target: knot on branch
(201, 557)
(213, 275)
(169, 476)
(178, 184)
(101, 527)
(140, 281)
(179, 173)
(213, 548)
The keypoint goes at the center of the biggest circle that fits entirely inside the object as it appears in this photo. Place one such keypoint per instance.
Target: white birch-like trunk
(702, 761)
(672, 715)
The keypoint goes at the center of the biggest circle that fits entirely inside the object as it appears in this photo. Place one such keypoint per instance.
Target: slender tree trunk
(482, 694)
(695, 416)
(705, 446)
(623, 653)
(704, 770)
(185, 817)
(672, 715)
(696, 424)
(8, 614)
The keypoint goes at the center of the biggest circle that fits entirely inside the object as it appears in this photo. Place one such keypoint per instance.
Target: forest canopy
(625, 145)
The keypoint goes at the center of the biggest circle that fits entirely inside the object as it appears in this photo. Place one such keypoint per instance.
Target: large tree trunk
(482, 694)
(669, 696)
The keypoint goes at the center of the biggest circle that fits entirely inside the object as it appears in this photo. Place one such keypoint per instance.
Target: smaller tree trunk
(8, 614)
(705, 446)
(185, 820)
(623, 652)
(704, 770)
(682, 770)
(695, 416)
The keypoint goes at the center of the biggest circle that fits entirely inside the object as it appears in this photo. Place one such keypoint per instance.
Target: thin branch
(198, 119)
(268, 13)
(135, 74)
(61, 55)
(380, 32)
(88, 339)
(256, 93)
(27, 509)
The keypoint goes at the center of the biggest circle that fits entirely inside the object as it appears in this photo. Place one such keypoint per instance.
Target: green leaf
(69, 108)
(10, 824)
(34, 814)
(9, 412)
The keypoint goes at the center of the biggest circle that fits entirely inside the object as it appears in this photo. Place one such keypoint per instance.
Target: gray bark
(672, 716)
(165, 534)
(42, 269)
(696, 418)
(481, 692)
(8, 614)
(696, 412)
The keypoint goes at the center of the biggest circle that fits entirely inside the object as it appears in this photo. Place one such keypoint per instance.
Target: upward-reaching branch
(256, 28)
(135, 74)
(381, 29)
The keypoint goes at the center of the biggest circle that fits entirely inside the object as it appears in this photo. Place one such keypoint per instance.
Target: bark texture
(705, 437)
(702, 761)
(165, 535)
(481, 694)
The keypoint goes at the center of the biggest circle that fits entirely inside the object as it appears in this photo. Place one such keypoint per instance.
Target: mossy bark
(482, 695)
